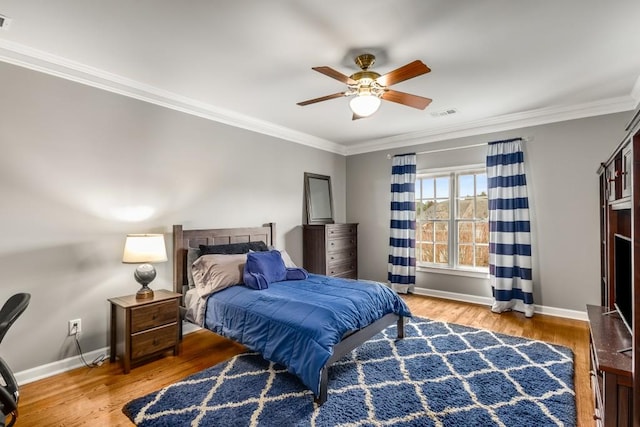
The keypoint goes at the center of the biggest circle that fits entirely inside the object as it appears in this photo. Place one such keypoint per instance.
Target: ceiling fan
(368, 87)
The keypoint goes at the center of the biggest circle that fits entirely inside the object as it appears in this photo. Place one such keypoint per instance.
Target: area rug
(440, 374)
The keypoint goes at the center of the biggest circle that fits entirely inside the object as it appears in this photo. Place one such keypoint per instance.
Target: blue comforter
(297, 322)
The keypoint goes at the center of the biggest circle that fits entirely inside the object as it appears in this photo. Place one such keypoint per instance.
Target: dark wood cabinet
(616, 375)
(610, 367)
(141, 329)
(331, 249)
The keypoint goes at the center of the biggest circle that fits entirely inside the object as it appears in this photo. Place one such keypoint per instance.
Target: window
(452, 219)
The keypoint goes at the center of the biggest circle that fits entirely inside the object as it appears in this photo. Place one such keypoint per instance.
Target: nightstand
(143, 328)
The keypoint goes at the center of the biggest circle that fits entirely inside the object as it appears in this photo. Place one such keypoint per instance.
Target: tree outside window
(453, 232)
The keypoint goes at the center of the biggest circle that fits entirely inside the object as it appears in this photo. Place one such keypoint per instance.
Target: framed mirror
(317, 193)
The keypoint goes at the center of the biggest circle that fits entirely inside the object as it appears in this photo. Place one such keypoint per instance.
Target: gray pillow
(192, 255)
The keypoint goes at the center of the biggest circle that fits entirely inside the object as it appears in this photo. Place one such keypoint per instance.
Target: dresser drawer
(341, 230)
(349, 274)
(339, 268)
(341, 244)
(342, 256)
(152, 315)
(154, 340)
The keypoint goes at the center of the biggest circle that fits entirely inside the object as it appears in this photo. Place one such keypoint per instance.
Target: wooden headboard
(184, 239)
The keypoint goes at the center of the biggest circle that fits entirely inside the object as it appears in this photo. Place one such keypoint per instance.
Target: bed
(318, 342)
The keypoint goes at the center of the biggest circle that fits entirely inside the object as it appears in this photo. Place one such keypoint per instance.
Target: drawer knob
(155, 341)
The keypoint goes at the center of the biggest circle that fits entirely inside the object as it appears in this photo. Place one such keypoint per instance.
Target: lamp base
(144, 292)
(144, 275)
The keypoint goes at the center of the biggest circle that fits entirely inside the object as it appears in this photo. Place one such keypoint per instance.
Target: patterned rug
(440, 374)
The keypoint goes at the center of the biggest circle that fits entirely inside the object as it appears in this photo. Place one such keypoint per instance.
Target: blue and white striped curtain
(402, 242)
(509, 228)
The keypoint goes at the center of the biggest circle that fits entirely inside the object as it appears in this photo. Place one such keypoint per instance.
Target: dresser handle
(155, 341)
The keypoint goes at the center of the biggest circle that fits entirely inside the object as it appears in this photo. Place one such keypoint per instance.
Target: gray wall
(72, 155)
(562, 160)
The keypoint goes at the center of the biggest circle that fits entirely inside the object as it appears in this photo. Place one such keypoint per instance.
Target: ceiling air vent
(4, 22)
(444, 113)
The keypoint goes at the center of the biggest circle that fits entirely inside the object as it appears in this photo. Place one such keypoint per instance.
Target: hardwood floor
(94, 397)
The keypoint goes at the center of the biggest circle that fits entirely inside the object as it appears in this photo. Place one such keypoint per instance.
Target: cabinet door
(611, 178)
(626, 171)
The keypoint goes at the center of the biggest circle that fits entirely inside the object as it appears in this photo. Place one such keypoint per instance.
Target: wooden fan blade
(322, 98)
(414, 101)
(403, 73)
(328, 71)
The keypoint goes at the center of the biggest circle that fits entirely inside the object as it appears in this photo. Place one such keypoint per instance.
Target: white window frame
(452, 268)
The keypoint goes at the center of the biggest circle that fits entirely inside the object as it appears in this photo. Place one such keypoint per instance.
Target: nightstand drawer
(152, 315)
(149, 342)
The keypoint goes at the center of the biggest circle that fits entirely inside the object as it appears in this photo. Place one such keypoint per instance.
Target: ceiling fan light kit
(364, 105)
(368, 87)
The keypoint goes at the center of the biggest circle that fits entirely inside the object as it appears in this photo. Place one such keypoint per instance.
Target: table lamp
(144, 249)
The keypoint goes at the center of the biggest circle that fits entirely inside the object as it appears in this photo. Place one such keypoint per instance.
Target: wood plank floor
(94, 397)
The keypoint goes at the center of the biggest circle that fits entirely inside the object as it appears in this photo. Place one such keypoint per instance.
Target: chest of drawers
(331, 249)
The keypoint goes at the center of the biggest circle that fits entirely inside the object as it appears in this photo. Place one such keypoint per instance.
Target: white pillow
(285, 257)
(287, 260)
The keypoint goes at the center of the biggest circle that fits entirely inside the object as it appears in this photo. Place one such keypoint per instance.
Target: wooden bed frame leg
(324, 380)
(400, 327)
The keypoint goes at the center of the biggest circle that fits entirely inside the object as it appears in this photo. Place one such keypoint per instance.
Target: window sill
(454, 272)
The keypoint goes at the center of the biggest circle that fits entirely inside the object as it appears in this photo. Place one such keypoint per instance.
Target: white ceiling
(501, 63)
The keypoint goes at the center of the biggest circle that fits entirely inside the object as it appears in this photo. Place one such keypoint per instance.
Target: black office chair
(9, 394)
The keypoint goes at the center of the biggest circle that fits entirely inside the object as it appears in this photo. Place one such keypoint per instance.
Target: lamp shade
(144, 248)
(364, 105)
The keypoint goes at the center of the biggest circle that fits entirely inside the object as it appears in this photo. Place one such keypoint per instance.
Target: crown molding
(37, 60)
(501, 123)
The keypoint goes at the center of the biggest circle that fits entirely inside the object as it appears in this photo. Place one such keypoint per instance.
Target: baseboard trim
(58, 367)
(70, 363)
(474, 299)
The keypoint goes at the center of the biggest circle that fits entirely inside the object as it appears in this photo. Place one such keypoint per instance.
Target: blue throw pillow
(263, 268)
(297, 274)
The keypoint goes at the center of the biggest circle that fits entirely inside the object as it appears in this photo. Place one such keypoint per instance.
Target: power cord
(98, 361)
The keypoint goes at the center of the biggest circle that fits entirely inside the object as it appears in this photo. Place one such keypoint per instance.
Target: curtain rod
(439, 150)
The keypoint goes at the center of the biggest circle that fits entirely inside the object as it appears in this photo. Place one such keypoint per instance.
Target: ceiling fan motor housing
(365, 60)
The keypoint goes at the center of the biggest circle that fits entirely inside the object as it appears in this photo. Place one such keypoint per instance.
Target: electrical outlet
(75, 326)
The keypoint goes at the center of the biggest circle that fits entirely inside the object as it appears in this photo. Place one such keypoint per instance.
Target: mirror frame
(327, 196)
